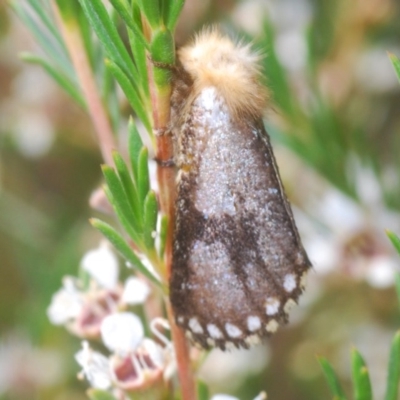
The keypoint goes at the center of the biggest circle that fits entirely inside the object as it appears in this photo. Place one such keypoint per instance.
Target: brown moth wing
(238, 263)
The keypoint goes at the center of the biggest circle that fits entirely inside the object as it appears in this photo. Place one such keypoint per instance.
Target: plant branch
(73, 40)
(160, 98)
(182, 357)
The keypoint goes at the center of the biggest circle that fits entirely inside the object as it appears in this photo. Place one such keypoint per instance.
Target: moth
(238, 264)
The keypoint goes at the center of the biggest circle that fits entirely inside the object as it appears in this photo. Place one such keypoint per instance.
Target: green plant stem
(74, 42)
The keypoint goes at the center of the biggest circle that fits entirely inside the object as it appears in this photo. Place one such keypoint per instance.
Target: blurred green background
(335, 124)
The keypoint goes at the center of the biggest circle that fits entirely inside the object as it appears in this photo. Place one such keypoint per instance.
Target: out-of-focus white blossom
(24, 368)
(223, 397)
(233, 366)
(135, 291)
(102, 266)
(261, 396)
(122, 332)
(66, 304)
(95, 367)
(352, 235)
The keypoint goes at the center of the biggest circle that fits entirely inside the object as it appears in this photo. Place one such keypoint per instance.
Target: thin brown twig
(97, 111)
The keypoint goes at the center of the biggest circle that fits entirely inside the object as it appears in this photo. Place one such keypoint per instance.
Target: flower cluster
(95, 306)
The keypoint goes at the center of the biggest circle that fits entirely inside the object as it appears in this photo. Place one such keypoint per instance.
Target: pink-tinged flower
(98, 304)
(137, 363)
(139, 369)
(81, 307)
(95, 367)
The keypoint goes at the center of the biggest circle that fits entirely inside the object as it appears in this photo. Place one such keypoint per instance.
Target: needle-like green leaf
(361, 381)
(107, 33)
(332, 379)
(131, 91)
(120, 244)
(393, 378)
(150, 219)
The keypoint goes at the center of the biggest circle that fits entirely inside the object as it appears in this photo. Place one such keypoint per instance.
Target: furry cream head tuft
(232, 68)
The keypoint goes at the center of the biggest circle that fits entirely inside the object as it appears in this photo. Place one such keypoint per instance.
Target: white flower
(102, 265)
(122, 332)
(353, 235)
(139, 369)
(261, 396)
(95, 367)
(66, 304)
(135, 291)
(223, 397)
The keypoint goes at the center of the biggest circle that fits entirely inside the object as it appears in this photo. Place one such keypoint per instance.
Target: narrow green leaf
(151, 9)
(202, 391)
(394, 239)
(150, 219)
(44, 12)
(361, 381)
(131, 93)
(143, 174)
(93, 50)
(332, 379)
(69, 10)
(130, 189)
(139, 51)
(392, 386)
(397, 284)
(45, 40)
(120, 198)
(63, 80)
(163, 235)
(133, 234)
(110, 96)
(135, 144)
(107, 33)
(173, 12)
(120, 244)
(97, 394)
(122, 8)
(396, 64)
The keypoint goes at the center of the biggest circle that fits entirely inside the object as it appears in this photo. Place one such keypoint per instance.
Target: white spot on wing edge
(211, 342)
(272, 306)
(303, 280)
(189, 335)
(229, 346)
(253, 323)
(214, 331)
(232, 330)
(289, 305)
(272, 326)
(180, 320)
(252, 340)
(195, 326)
(289, 282)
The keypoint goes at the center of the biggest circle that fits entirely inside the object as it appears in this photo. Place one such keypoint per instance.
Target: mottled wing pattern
(238, 263)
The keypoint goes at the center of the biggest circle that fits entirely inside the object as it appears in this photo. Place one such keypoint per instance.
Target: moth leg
(159, 64)
(165, 163)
